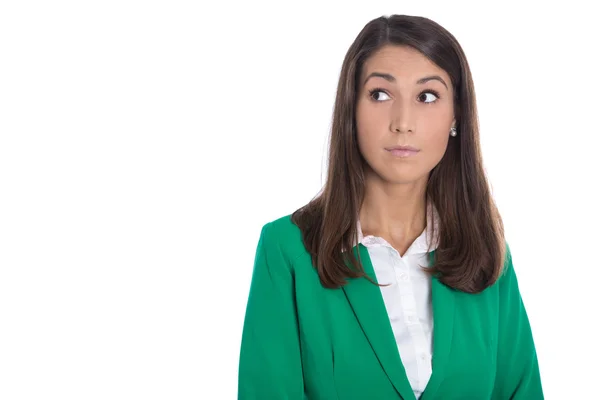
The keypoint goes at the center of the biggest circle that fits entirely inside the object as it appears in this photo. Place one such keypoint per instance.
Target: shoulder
(283, 234)
(283, 226)
(508, 277)
(507, 268)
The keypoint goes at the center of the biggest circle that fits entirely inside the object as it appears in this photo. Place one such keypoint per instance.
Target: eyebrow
(390, 78)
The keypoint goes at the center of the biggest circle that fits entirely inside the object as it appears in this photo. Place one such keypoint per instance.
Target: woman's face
(399, 109)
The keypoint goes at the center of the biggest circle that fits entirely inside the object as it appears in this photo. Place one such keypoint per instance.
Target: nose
(402, 118)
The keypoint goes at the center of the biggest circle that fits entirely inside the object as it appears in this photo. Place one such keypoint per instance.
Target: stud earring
(453, 131)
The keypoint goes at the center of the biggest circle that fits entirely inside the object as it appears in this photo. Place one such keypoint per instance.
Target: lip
(404, 147)
(402, 151)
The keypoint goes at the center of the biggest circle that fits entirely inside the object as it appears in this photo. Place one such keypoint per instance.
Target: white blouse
(407, 299)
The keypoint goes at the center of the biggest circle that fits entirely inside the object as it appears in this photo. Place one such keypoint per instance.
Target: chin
(395, 179)
(404, 179)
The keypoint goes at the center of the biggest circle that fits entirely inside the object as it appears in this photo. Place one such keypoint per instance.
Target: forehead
(404, 62)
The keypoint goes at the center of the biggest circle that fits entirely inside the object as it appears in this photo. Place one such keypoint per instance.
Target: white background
(144, 144)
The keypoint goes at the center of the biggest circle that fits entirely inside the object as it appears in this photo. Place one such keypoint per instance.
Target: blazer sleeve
(270, 365)
(517, 374)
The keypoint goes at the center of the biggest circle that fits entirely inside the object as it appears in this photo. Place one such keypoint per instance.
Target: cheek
(370, 131)
(438, 145)
(370, 144)
(435, 147)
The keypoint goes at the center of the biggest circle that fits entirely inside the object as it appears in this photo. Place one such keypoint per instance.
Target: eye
(430, 92)
(376, 90)
(423, 96)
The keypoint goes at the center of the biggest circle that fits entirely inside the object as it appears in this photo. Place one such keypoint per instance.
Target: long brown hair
(471, 245)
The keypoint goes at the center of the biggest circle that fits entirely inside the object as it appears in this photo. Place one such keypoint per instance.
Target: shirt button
(423, 356)
(411, 319)
(403, 277)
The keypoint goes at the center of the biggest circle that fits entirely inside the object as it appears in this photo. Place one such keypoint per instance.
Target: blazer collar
(369, 308)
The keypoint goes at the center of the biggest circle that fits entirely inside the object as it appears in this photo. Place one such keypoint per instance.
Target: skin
(403, 113)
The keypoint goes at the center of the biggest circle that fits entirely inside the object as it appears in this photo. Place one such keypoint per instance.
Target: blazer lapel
(369, 308)
(443, 327)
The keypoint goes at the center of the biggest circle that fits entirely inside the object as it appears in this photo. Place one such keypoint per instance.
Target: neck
(395, 211)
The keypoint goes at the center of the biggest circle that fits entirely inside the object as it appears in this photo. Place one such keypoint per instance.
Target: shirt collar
(420, 245)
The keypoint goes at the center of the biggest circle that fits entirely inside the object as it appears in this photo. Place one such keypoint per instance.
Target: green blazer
(303, 341)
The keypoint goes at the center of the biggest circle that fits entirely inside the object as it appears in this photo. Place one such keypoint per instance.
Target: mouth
(402, 151)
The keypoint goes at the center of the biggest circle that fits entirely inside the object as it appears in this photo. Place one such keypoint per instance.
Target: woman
(426, 305)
